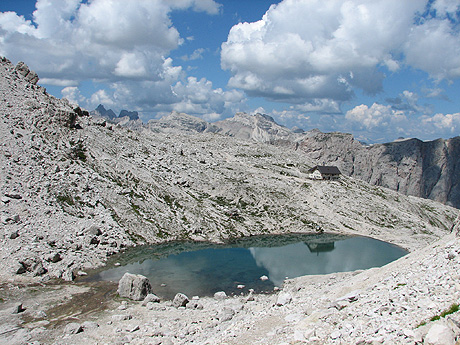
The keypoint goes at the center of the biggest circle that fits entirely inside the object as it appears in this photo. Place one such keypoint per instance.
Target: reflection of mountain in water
(142, 253)
(320, 247)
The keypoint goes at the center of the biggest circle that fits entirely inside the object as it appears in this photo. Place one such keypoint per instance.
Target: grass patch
(452, 309)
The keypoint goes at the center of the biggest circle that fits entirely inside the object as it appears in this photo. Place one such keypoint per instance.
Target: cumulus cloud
(73, 95)
(304, 50)
(199, 97)
(377, 116)
(384, 121)
(447, 123)
(107, 41)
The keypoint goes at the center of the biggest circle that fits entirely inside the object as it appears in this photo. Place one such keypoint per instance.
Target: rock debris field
(77, 189)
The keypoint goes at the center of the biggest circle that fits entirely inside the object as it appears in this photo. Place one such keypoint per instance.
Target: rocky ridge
(76, 189)
(413, 167)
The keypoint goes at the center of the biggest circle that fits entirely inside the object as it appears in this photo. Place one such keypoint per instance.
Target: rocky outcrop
(425, 169)
(134, 286)
(28, 75)
(259, 127)
(182, 122)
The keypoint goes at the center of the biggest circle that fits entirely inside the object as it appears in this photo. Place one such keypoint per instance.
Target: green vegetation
(452, 309)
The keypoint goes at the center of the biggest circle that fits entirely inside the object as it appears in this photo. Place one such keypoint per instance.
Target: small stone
(150, 298)
(73, 328)
(336, 335)
(240, 286)
(56, 257)
(133, 328)
(180, 300)
(18, 309)
(121, 317)
(89, 325)
(13, 196)
(263, 278)
(250, 297)
(19, 268)
(14, 235)
(451, 255)
(220, 295)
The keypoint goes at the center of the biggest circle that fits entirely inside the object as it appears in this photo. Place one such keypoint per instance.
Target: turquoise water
(203, 269)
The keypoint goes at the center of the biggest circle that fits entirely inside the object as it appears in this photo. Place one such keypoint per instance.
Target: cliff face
(413, 167)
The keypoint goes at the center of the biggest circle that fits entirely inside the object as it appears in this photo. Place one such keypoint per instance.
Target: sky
(379, 69)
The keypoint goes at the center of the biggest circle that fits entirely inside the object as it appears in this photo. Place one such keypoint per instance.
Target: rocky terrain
(413, 167)
(76, 189)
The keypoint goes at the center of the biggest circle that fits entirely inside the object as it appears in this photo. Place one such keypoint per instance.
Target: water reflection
(202, 269)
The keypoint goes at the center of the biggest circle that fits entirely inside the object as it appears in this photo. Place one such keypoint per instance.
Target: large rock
(439, 334)
(180, 300)
(283, 298)
(134, 286)
(28, 75)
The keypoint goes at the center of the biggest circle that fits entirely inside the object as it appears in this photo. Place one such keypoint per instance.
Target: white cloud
(377, 116)
(197, 97)
(303, 50)
(127, 47)
(196, 55)
(448, 123)
(73, 95)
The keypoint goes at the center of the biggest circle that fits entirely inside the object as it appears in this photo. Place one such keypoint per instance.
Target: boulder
(150, 298)
(226, 314)
(89, 325)
(94, 230)
(180, 300)
(193, 304)
(33, 265)
(439, 334)
(28, 75)
(220, 295)
(134, 286)
(283, 298)
(73, 328)
(18, 308)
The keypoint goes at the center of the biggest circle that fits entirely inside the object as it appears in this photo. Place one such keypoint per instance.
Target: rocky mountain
(428, 169)
(110, 114)
(76, 189)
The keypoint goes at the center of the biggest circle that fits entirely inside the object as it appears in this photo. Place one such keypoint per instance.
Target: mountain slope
(76, 189)
(426, 169)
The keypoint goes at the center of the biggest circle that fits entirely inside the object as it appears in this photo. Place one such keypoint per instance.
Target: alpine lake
(201, 269)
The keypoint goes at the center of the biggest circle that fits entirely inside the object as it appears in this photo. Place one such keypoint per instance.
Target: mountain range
(427, 169)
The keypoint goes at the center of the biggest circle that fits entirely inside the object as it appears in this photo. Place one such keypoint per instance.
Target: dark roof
(323, 169)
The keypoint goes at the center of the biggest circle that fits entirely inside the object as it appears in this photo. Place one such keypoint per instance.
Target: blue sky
(380, 69)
